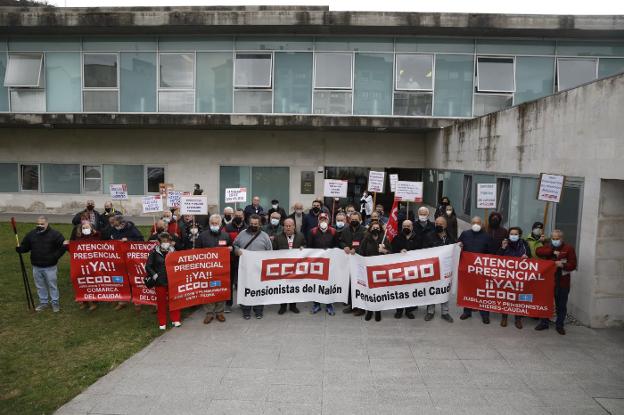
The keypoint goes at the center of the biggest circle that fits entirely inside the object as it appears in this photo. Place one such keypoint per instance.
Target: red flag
(392, 228)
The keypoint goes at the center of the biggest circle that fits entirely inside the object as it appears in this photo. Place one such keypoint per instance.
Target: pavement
(320, 364)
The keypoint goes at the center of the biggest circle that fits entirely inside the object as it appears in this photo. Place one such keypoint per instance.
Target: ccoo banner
(198, 276)
(136, 257)
(291, 276)
(508, 285)
(407, 279)
(98, 271)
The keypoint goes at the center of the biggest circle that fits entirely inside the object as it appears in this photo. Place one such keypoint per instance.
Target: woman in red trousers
(155, 267)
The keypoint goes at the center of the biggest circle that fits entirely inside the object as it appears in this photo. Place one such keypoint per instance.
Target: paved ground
(303, 364)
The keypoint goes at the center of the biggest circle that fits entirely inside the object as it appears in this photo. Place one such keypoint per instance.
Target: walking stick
(29, 297)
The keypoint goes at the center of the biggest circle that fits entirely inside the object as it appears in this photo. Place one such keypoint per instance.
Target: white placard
(119, 191)
(550, 187)
(174, 197)
(486, 195)
(376, 181)
(236, 195)
(152, 204)
(335, 188)
(409, 191)
(394, 178)
(194, 205)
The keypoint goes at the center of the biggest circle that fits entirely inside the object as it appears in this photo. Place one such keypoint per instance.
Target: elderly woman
(83, 232)
(372, 246)
(514, 245)
(156, 270)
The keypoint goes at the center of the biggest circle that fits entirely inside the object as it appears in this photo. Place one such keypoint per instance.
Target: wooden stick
(485, 219)
(546, 215)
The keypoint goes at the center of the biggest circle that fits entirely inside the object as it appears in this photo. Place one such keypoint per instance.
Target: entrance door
(568, 211)
(266, 182)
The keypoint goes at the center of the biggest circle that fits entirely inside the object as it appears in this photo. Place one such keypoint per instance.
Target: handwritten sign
(409, 191)
(119, 191)
(486, 195)
(194, 205)
(550, 187)
(335, 188)
(152, 204)
(236, 195)
(376, 181)
(394, 178)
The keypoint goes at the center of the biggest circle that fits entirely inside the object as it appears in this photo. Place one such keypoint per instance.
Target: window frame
(146, 177)
(495, 57)
(574, 58)
(334, 88)
(191, 89)
(396, 68)
(83, 178)
(467, 198)
(482, 94)
(96, 89)
(40, 77)
(268, 87)
(21, 175)
(415, 92)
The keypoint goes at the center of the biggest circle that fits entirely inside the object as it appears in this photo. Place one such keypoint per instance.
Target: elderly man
(253, 209)
(564, 256)
(476, 240)
(252, 239)
(439, 238)
(273, 228)
(228, 216)
(289, 238)
(214, 237)
(423, 226)
(323, 237)
(349, 240)
(109, 211)
(406, 240)
(92, 215)
(297, 215)
(46, 247)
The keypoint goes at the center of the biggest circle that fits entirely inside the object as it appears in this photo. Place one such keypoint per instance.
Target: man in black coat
(289, 239)
(46, 247)
(439, 238)
(89, 213)
(275, 207)
(323, 237)
(406, 240)
(349, 240)
(125, 230)
(253, 209)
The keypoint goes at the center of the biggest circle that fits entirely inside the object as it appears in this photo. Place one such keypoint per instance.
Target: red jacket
(564, 252)
(172, 229)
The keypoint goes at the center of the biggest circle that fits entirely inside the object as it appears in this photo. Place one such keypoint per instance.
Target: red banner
(392, 228)
(198, 276)
(98, 271)
(507, 285)
(136, 257)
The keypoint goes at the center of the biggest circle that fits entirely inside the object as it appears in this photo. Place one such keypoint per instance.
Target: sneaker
(428, 316)
(163, 327)
(42, 307)
(228, 309)
(176, 324)
(447, 317)
(464, 316)
(315, 308)
(347, 310)
(518, 324)
(330, 310)
(410, 315)
(259, 316)
(246, 317)
(56, 308)
(294, 309)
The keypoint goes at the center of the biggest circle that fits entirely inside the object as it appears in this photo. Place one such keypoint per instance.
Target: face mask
(119, 227)
(165, 246)
(214, 229)
(274, 222)
(253, 228)
(375, 231)
(107, 210)
(86, 231)
(228, 217)
(514, 238)
(537, 232)
(423, 218)
(439, 228)
(323, 226)
(340, 224)
(159, 230)
(380, 213)
(194, 231)
(40, 228)
(316, 209)
(275, 206)
(355, 223)
(174, 217)
(237, 220)
(449, 212)
(476, 227)
(167, 220)
(298, 212)
(495, 221)
(90, 207)
(406, 231)
(556, 243)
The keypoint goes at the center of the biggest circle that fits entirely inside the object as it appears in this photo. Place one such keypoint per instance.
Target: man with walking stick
(46, 247)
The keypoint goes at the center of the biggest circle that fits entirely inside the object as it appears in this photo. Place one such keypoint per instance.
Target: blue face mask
(556, 243)
(340, 225)
(514, 238)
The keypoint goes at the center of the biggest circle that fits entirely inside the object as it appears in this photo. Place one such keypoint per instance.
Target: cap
(539, 225)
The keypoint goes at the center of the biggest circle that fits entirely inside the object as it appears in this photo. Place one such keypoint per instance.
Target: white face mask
(166, 219)
(340, 225)
(449, 212)
(323, 226)
(174, 217)
(194, 231)
(537, 232)
(213, 228)
(165, 246)
(275, 206)
(423, 218)
(274, 222)
(86, 231)
(476, 227)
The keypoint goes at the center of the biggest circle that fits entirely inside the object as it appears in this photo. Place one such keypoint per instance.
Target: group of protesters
(360, 230)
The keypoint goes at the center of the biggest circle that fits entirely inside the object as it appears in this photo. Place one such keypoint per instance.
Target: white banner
(412, 278)
(376, 181)
(236, 195)
(292, 276)
(409, 191)
(335, 188)
(194, 205)
(152, 204)
(118, 191)
(486, 195)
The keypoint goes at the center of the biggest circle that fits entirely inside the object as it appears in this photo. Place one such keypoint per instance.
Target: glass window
(44, 44)
(453, 189)
(361, 44)
(333, 70)
(4, 92)
(117, 43)
(274, 43)
(234, 176)
(155, 176)
(413, 103)
(214, 82)
(572, 72)
(28, 100)
(252, 70)
(293, 83)
(130, 175)
(439, 45)
(454, 75)
(476, 180)
(192, 43)
(515, 47)
(60, 178)
(176, 70)
(8, 177)
(24, 70)
(608, 67)
(414, 72)
(332, 102)
(100, 70)
(252, 102)
(373, 84)
(99, 101)
(467, 195)
(502, 198)
(63, 82)
(524, 208)
(487, 103)
(29, 174)
(138, 82)
(92, 178)
(590, 48)
(176, 101)
(271, 183)
(495, 74)
(567, 212)
(535, 78)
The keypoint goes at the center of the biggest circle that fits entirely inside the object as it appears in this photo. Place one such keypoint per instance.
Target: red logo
(295, 269)
(222, 243)
(410, 272)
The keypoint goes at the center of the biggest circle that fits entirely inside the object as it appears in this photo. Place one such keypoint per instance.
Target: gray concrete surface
(303, 364)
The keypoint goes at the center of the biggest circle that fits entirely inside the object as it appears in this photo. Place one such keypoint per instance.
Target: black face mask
(159, 230)
(406, 231)
(494, 222)
(440, 229)
(375, 232)
(316, 209)
(253, 229)
(237, 221)
(355, 223)
(90, 207)
(107, 210)
(40, 229)
(228, 217)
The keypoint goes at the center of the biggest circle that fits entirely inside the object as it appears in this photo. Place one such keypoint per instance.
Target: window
(535, 78)
(495, 74)
(253, 70)
(266, 182)
(414, 72)
(214, 82)
(138, 82)
(130, 175)
(502, 198)
(177, 84)
(487, 103)
(100, 82)
(29, 174)
(99, 101)
(413, 103)
(63, 82)
(333, 70)
(28, 100)
(24, 70)
(332, 102)
(155, 176)
(175, 101)
(373, 84)
(252, 102)
(8, 177)
(293, 83)
(60, 178)
(467, 195)
(454, 77)
(572, 72)
(92, 178)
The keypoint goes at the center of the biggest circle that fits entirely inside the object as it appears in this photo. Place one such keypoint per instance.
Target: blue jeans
(484, 314)
(45, 278)
(257, 309)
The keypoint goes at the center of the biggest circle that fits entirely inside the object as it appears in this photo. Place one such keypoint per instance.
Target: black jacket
(279, 210)
(129, 231)
(98, 219)
(45, 248)
(478, 242)
(105, 216)
(323, 240)
(370, 246)
(251, 210)
(422, 231)
(156, 265)
(207, 239)
(281, 241)
(401, 242)
(433, 239)
(350, 235)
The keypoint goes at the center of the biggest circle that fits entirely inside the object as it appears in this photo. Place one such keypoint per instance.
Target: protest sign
(409, 191)
(152, 204)
(293, 275)
(236, 195)
(136, 257)
(98, 270)
(118, 191)
(174, 197)
(550, 187)
(394, 178)
(486, 195)
(198, 276)
(376, 181)
(193, 205)
(335, 188)
(412, 278)
(508, 285)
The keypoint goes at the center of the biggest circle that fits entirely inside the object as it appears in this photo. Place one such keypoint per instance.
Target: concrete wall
(194, 156)
(579, 132)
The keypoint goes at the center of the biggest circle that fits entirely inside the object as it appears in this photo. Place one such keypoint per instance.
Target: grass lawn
(46, 359)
